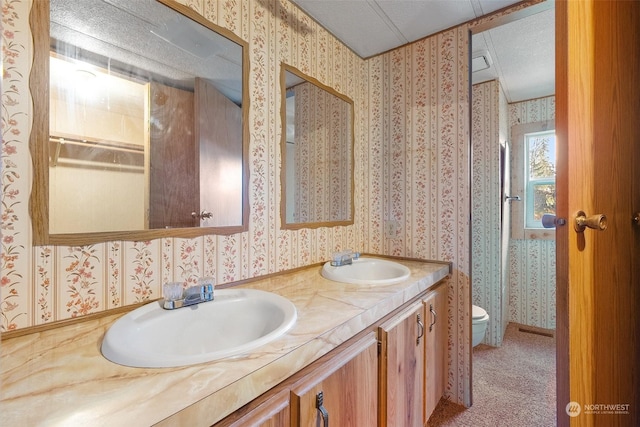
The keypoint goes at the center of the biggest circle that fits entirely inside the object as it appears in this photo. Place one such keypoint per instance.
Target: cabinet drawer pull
(321, 408)
(434, 315)
(421, 333)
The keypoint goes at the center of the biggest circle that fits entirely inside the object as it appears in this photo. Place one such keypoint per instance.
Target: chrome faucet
(175, 297)
(344, 258)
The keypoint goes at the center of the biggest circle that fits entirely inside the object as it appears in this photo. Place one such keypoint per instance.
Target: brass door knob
(201, 215)
(596, 222)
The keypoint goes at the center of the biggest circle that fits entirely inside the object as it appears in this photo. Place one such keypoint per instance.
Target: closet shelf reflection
(60, 141)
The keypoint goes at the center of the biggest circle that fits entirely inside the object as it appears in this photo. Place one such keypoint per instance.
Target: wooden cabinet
(401, 370)
(343, 389)
(395, 379)
(435, 304)
(413, 361)
(272, 411)
(347, 380)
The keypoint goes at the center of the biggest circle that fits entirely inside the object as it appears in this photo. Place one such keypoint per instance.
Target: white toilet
(479, 319)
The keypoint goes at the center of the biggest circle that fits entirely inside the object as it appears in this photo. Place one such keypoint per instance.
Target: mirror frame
(284, 68)
(39, 21)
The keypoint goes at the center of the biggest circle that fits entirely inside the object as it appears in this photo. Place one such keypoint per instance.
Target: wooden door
(173, 173)
(349, 387)
(401, 373)
(436, 330)
(218, 131)
(598, 272)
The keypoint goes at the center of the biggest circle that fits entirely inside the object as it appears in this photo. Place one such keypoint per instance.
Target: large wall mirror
(139, 122)
(317, 153)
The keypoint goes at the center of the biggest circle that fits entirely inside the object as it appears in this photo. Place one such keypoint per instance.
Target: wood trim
(66, 322)
(562, 211)
(508, 14)
(39, 137)
(284, 225)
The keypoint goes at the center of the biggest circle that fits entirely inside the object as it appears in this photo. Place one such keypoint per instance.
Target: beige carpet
(513, 385)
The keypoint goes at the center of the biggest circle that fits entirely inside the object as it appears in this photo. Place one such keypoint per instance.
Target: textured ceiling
(370, 27)
(522, 52)
(159, 44)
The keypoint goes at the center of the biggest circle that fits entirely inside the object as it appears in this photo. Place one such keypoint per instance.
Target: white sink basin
(235, 322)
(367, 271)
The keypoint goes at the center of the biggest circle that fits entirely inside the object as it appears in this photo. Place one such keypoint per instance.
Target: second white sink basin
(367, 271)
(235, 322)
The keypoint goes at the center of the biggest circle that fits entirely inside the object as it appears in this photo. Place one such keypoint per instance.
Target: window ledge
(539, 234)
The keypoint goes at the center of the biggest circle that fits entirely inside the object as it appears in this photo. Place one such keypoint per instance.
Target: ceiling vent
(481, 60)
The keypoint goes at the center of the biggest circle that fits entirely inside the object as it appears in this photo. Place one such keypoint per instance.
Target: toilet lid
(478, 312)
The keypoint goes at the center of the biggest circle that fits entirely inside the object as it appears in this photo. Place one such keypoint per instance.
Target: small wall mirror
(317, 153)
(144, 135)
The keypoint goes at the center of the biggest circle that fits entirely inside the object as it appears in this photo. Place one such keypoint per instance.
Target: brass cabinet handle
(596, 222)
(636, 218)
(421, 326)
(435, 317)
(321, 408)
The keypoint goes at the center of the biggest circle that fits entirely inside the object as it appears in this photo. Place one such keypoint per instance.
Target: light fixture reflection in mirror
(317, 153)
(145, 128)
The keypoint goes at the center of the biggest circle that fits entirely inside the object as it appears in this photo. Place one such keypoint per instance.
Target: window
(533, 178)
(540, 177)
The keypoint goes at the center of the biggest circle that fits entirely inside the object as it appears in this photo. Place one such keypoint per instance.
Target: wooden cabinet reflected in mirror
(145, 135)
(317, 153)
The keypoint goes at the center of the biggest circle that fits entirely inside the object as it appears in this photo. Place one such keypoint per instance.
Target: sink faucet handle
(345, 257)
(350, 255)
(207, 281)
(172, 291)
(207, 285)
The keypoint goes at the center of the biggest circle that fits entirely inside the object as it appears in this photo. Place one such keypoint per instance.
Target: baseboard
(551, 333)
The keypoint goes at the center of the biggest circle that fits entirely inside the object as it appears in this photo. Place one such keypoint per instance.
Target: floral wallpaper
(487, 100)
(15, 167)
(49, 283)
(418, 163)
(532, 263)
(529, 295)
(322, 155)
(411, 168)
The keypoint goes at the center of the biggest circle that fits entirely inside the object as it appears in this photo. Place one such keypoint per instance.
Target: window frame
(519, 182)
(530, 184)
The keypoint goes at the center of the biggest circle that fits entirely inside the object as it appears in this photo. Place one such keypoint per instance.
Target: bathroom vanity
(353, 352)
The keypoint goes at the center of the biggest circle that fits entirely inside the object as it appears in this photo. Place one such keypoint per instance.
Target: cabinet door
(435, 347)
(348, 385)
(273, 412)
(402, 368)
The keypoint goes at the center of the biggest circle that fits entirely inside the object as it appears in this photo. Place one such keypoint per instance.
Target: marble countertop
(59, 377)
